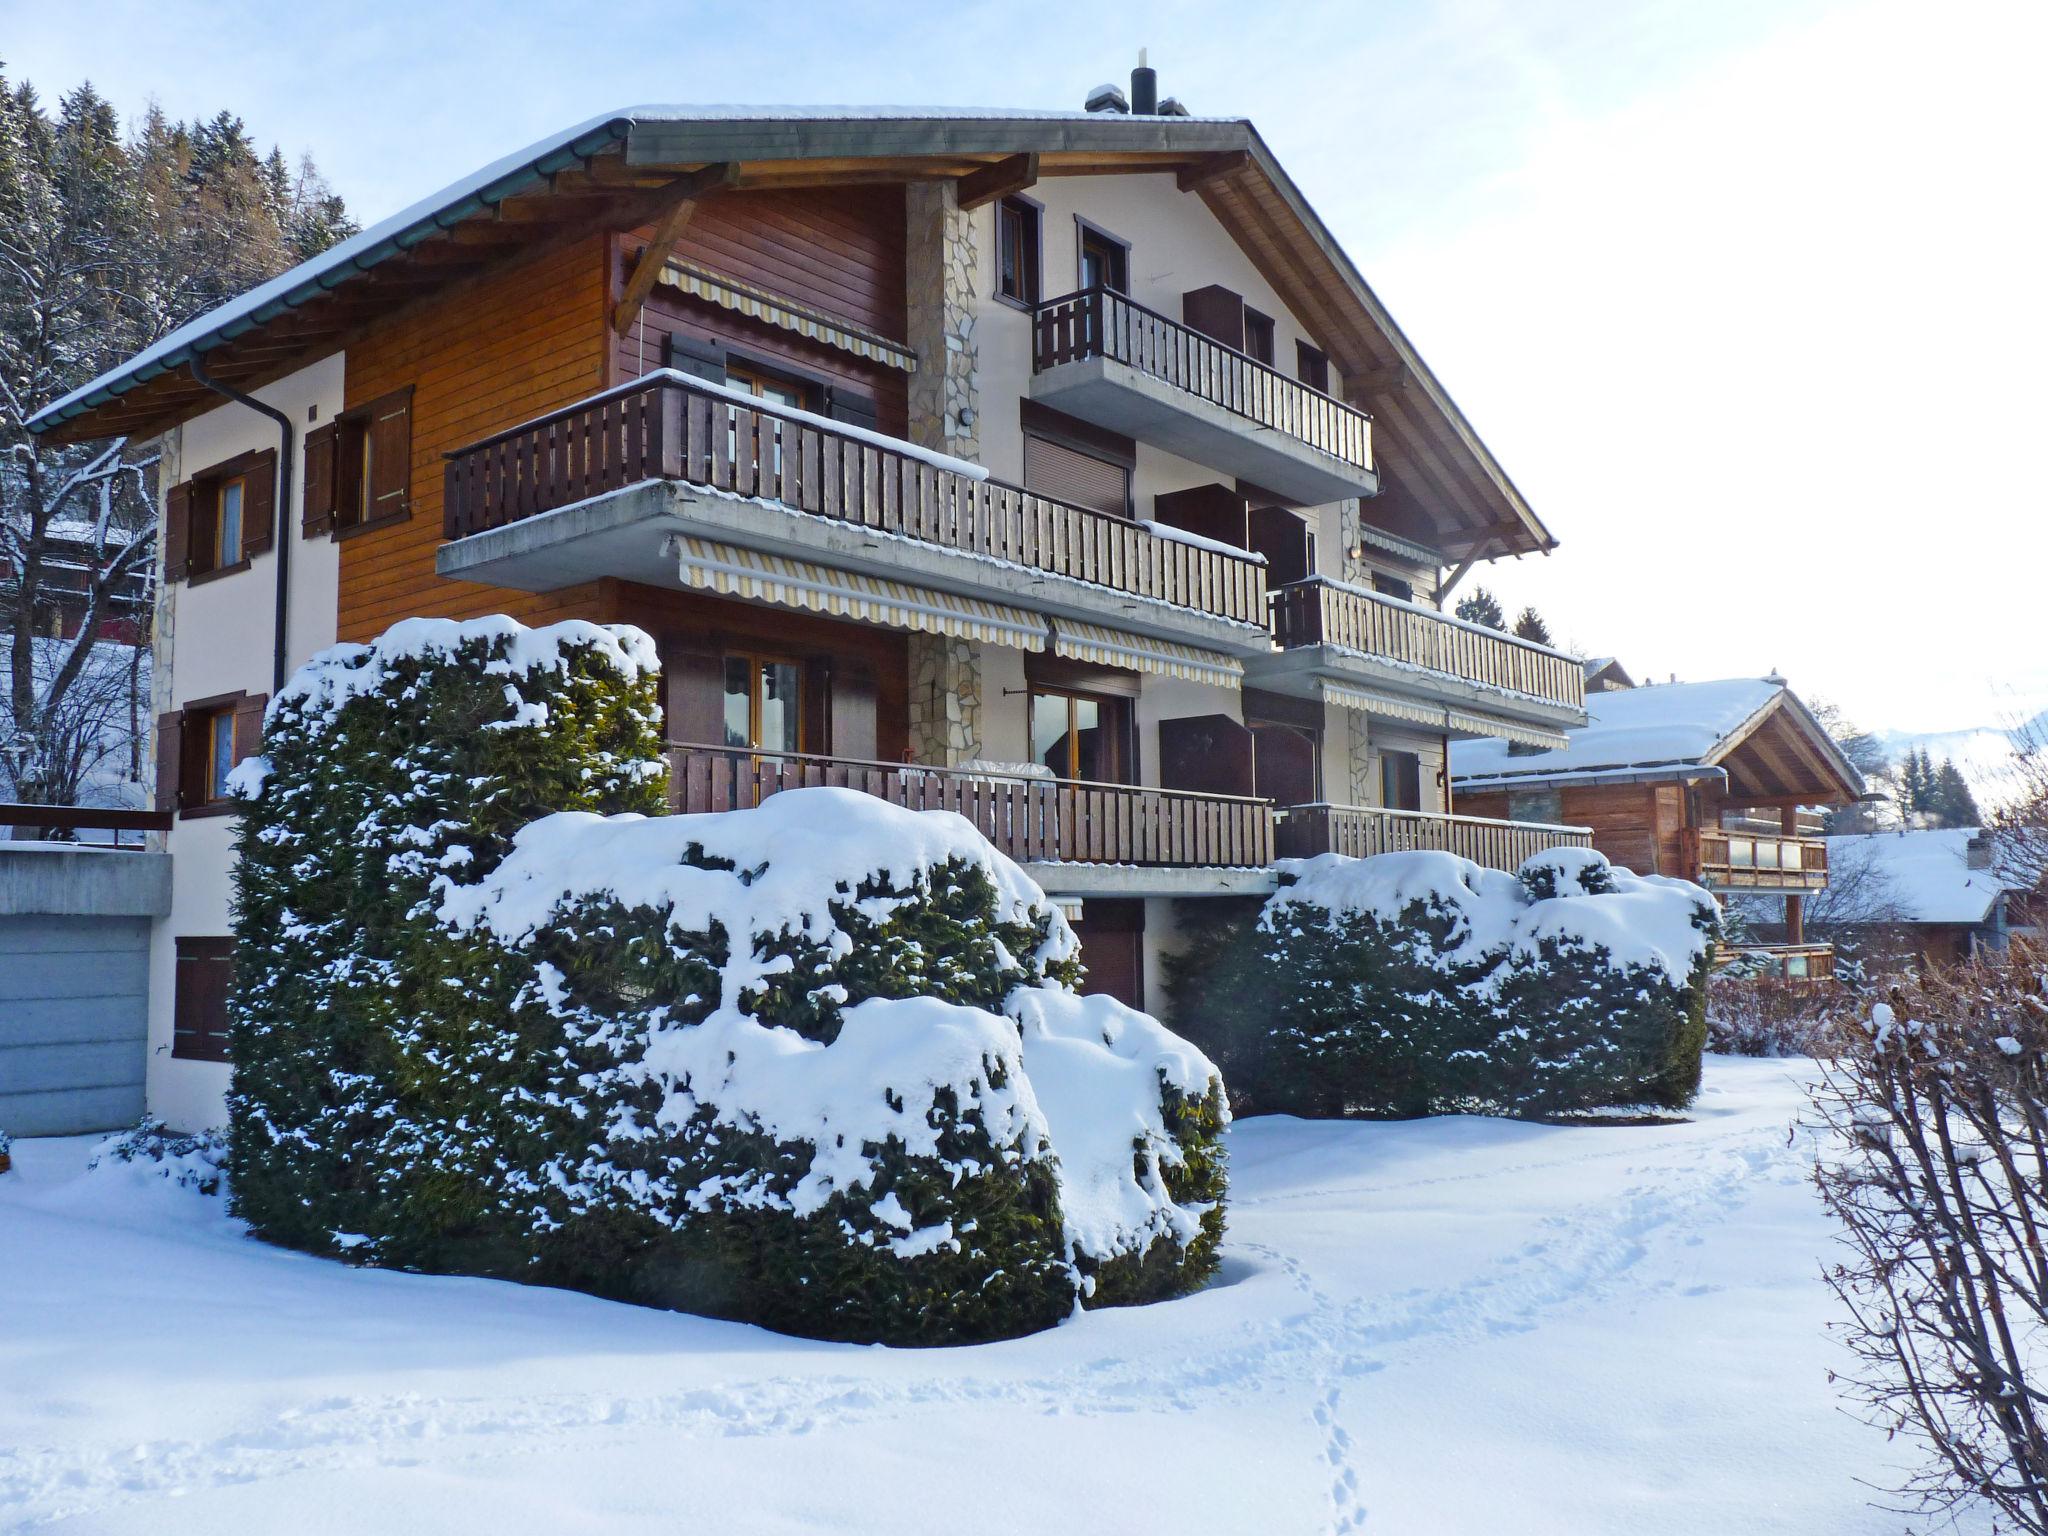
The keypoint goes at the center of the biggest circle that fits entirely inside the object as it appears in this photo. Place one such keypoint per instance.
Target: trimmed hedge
(770, 1065)
(1418, 983)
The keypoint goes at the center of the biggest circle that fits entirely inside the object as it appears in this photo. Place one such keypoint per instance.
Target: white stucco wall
(217, 638)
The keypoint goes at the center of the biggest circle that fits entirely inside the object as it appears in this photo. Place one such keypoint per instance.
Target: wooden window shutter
(855, 705)
(1054, 470)
(843, 403)
(317, 516)
(259, 502)
(695, 702)
(699, 359)
(178, 531)
(170, 758)
(249, 724)
(1216, 312)
(390, 430)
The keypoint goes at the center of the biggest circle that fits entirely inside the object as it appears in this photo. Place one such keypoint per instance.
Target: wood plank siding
(837, 251)
(1638, 826)
(519, 342)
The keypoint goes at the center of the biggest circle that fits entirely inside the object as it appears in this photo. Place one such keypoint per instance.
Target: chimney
(1144, 89)
(1106, 98)
(1978, 852)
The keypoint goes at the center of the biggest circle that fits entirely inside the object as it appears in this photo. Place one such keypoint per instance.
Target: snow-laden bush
(1413, 983)
(1761, 1016)
(189, 1160)
(6, 1150)
(781, 1065)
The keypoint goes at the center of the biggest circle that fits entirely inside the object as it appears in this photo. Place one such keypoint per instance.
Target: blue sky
(1745, 295)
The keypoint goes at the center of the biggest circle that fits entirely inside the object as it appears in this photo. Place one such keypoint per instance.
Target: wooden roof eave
(1785, 725)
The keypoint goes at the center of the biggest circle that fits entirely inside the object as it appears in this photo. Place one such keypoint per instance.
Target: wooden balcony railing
(1771, 823)
(1361, 831)
(1797, 963)
(1032, 820)
(668, 426)
(1100, 322)
(1324, 612)
(64, 823)
(1756, 861)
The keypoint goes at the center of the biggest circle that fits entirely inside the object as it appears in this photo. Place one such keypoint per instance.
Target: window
(227, 522)
(1258, 336)
(359, 468)
(1017, 247)
(777, 389)
(1078, 736)
(763, 704)
(1105, 260)
(200, 745)
(1080, 479)
(214, 522)
(1312, 367)
(1400, 781)
(1393, 586)
(199, 1009)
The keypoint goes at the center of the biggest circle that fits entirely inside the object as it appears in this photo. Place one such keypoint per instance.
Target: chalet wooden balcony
(1361, 831)
(1102, 357)
(1413, 664)
(1798, 964)
(1033, 820)
(588, 492)
(1724, 859)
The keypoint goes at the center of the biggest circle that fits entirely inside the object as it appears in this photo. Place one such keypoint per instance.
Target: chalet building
(1057, 468)
(1720, 783)
(1926, 896)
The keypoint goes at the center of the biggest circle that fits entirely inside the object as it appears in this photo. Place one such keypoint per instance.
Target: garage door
(74, 1023)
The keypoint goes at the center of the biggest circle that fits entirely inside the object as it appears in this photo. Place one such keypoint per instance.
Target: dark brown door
(1112, 935)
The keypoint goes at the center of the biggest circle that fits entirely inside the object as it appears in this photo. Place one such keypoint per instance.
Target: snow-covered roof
(1673, 725)
(1926, 875)
(460, 199)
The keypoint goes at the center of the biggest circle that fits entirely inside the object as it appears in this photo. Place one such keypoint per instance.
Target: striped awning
(1507, 730)
(778, 310)
(734, 572)
(1167, 658)
(1387, 706)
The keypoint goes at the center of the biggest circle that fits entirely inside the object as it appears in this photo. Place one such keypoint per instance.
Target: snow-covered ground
(1455, 1325)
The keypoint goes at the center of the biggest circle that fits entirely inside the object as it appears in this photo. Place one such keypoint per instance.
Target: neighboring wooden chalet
(1922, 897)
(1705, 781)
(1063, 457)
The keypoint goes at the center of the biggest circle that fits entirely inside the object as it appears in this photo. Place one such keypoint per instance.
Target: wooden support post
(681, 197)
(1012, 174)
(1795, 919)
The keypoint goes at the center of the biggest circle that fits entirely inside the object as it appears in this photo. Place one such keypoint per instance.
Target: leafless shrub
(1937, 1109)
(1763, 1016)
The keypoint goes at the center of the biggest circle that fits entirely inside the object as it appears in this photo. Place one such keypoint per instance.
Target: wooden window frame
(194, 952)
(1111, 706)
(756, 661)
(198, 721)
(1312, 366)
(1388, 758)
(355, 467)
(1029, 214)
(1084, 230)
(198, 502)
(1267, 329)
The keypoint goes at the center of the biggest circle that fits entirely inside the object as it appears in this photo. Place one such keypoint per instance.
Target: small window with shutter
(217, 520)
(359, 468)
(1080, 479)
(200, 745)
(199, 1011)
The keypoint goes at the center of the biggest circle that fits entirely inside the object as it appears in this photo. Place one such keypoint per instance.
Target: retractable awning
(1438, 716)
(1167, 658)
(775, 309)
(732, 571)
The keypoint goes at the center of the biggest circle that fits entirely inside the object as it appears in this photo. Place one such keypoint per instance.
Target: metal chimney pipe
(1144, 89)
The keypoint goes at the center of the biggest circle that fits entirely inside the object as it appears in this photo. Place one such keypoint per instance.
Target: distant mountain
(1984, 753)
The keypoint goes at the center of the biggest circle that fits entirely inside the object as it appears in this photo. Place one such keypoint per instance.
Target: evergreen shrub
(811, 1065)
(1419, 983)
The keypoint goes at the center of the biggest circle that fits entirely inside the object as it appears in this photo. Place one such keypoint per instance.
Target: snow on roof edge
(285, 288)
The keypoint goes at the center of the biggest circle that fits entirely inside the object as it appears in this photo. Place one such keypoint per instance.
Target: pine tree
(1951, 803)
(106, 246)
(1480, 606)
(1529, 625)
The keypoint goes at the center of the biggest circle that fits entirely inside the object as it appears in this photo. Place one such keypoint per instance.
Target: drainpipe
(280, 524)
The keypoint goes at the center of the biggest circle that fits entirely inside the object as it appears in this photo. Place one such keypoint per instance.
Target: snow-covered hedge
(1415, 983)
(817, 1065)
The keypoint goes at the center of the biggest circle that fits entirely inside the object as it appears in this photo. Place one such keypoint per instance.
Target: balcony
(1733, 860)
(617, 484)
(1360, 831)
(1797, 964)
(1404, 662)
(1101, 357)
(1032, 820)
